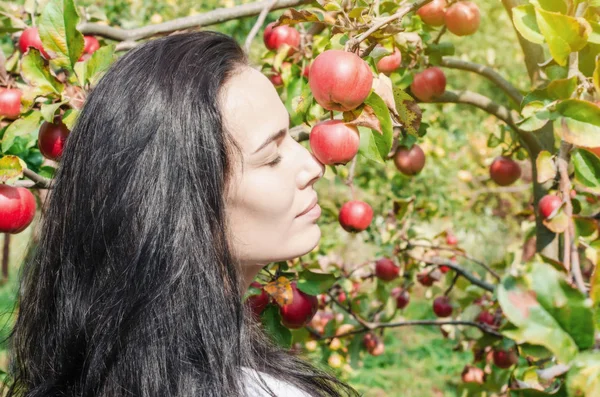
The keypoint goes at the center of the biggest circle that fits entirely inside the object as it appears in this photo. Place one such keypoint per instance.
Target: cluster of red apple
(17, 204)
(10, 98)
(461, 18)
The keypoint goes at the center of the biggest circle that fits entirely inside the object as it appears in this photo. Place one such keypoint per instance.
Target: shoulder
(280, 388)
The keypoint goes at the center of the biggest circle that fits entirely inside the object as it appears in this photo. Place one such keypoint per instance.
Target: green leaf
(583, 379)
(271, 320)
(368, 147)
(546, 311)
(49, 110)
(580, 122)
(47, 171)
(564, 34)
(408, 110)
(595, 291)
(584, 226)
(546, 169)
(551, 5)
(11, 167)
(28, 125)
(59, 34)
(70, 117)
(596, 75)
(525, 22)
(587, 168)
(98, 63)
(383, 140)
(315, 283)
(36, 73)
(595, 34)
(562, 88)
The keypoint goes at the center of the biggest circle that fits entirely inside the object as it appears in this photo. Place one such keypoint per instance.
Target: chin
(309, 240)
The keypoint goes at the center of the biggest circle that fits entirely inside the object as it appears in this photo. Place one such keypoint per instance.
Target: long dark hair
(133, 289)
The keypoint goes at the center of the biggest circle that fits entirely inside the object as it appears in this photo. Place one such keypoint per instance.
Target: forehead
(252, 109)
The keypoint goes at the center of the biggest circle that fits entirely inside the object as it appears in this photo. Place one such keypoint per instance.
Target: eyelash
(275, 162)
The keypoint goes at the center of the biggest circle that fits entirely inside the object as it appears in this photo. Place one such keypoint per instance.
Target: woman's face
(264, 201)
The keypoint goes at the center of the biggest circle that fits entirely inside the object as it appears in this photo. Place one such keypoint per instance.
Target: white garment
(280, 388)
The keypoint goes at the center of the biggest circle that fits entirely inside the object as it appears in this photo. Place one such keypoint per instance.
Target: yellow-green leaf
(583, 379)
(28, 125)
(10, 168)
(579, 123)
(59, 34)
(37, 73)
(546, 169)
(564, 34)
(525, 22)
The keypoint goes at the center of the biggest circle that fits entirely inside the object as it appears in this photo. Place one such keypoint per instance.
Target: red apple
(340, 80)
(355, 216)
(276, 79)
(342, 297)
(486, 318)
(442, 306)
(52, 138)
(425, 279)
(300, 311)
(373, 345)
(31, 38)
(90, 45)
(334, 142)
(451, 239)
(462, 18)
(10, 102)
(306, 71)
(258, 302)
(17, 209)
(390, 63)
(548, 204)
(505, 359)
(504, 171)
(386, 269)
(428, 84)
(275, 76)
(402, 297)
(280, 35)
(433, 13)
(444, 269)
(409, 161)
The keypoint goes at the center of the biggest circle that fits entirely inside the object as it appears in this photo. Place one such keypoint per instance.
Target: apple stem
(456, 276)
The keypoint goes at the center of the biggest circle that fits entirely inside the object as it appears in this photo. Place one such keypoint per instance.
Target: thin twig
(487, 72)
(362, 322)
(483, 327)
(39, 180)
(457, 252)
(439, 36)
(353, 43)
(261, 19)
(214, 17)
(452, 265)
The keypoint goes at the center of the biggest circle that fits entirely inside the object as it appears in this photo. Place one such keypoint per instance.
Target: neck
(249, 272)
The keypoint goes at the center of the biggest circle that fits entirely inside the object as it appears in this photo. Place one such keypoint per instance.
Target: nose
(312, 169)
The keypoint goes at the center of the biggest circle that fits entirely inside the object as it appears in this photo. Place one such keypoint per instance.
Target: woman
(178, 183)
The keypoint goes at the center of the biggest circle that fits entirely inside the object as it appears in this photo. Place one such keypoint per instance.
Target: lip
(312, 204)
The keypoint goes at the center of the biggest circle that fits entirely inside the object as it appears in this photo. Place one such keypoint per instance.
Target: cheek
(263, 208)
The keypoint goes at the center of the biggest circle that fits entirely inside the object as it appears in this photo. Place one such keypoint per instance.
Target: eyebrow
(272, 138)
